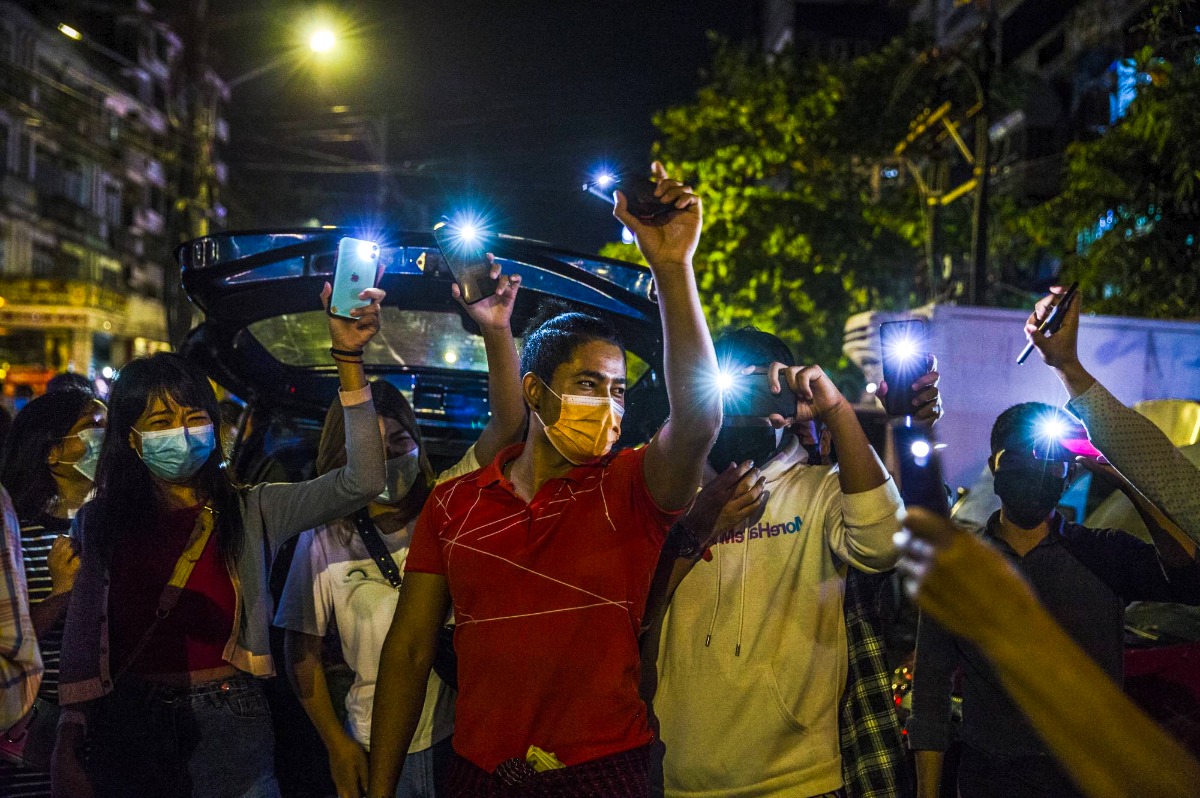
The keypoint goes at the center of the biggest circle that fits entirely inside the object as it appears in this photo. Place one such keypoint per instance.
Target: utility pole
(977, 292)
(188, 211)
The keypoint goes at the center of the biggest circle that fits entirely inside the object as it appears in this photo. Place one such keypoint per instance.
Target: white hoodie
(752, 662)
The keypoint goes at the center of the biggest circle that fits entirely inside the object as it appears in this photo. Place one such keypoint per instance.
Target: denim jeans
(424, 771)
(213, 740)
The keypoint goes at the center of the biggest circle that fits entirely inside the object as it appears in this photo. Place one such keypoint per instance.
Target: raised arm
(1108, 745)
(494, 317)
(289, 509)
(1130, 441)
(674, 463)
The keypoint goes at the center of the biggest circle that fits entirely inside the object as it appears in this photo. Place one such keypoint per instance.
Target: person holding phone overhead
(1085, 578)
(48, 465)
(167, 632)
(336, 578)
(546, 555)
(1129, 440)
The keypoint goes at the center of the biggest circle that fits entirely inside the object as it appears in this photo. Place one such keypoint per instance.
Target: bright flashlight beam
(468, 233)
(1052, 427)
(322, 41)
(604, 180)
(366, 250)
(724, 381)
(904, 350)
(920, 449)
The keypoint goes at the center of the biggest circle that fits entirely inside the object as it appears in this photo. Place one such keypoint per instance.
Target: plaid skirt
(623, 775)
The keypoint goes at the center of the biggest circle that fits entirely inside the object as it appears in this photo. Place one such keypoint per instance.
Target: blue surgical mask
(93, 438)
(402, 474)
(175, 455)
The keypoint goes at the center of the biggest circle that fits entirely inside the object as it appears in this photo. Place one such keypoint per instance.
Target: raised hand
(495, 311)
(816, 395)
(1061, 349)
(355, 333)
(670, 240)
(964, 584)
(927, 399)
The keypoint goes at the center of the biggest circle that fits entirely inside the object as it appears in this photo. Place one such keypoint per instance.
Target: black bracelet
(345, 352)
(348, 360)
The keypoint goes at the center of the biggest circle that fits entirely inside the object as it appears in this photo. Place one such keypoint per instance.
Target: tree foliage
(797, 237)
(1129, 214)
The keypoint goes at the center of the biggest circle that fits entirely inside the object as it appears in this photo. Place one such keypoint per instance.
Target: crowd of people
(693, 616)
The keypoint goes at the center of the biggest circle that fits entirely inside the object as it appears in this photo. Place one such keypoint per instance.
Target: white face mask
(402, 474)
(93, 438)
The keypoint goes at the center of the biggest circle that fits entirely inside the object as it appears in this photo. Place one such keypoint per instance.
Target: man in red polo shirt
(547, 554)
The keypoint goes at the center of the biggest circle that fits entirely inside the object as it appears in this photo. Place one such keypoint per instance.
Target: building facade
(90, 138)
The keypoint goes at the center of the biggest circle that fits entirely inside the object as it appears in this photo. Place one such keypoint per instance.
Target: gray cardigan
(271, 513)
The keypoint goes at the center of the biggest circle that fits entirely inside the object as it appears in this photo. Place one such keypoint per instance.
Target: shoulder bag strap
(205, 523)
(377, 548)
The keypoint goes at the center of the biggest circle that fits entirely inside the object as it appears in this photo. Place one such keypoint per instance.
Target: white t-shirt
(334, 578)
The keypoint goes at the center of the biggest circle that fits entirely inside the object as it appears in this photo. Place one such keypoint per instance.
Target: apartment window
(5, 135)
(26, 152)
(112, 203)
(42, 264)
(77, 184)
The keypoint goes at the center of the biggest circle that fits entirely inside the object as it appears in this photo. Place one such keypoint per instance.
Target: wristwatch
(683, 542)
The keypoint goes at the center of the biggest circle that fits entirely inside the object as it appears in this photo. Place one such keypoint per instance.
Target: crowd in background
(693, 616)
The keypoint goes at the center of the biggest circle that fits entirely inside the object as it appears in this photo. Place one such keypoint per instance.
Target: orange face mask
(587, 427)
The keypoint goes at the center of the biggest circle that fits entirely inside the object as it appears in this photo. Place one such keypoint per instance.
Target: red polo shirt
(548, 598)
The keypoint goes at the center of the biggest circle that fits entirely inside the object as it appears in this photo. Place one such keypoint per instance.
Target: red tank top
(194, 635)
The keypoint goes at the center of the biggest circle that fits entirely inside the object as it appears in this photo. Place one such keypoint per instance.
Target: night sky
(506, 106)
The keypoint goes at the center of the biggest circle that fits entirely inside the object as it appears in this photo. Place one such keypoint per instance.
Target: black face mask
(1028, 496)
(738, 444)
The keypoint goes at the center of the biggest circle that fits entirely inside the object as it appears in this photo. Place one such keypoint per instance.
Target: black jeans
(213, 740)
(984, 775)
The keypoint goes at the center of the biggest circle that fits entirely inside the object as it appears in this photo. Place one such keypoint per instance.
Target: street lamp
(322, 41)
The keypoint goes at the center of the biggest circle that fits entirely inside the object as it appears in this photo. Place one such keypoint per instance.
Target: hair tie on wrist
(345, 352)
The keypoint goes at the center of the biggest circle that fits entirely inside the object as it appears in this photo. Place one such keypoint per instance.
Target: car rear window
(416, 338)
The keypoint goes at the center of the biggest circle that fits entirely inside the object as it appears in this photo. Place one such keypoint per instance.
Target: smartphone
(640, 199)
(921, 482)
(464, 248)
(904, 347)
(749, 396)
(357, 269)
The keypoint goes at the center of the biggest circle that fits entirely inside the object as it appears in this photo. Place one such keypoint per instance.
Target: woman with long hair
(347, 572)
(48, 464)
(168, 627)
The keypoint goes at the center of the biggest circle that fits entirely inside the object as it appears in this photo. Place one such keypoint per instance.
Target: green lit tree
(797, 234)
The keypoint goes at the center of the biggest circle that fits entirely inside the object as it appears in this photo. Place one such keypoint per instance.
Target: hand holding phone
(464, 247)
(357, 270)
(921, 482)
(904, 349)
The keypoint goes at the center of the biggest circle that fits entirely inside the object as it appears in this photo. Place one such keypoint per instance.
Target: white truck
(977, 348)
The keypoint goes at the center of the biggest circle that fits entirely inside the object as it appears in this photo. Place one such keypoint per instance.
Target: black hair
(126, 502)
(39, 427)
(750, 346)
(70, 381)
(555, 332)
(1016, 429)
